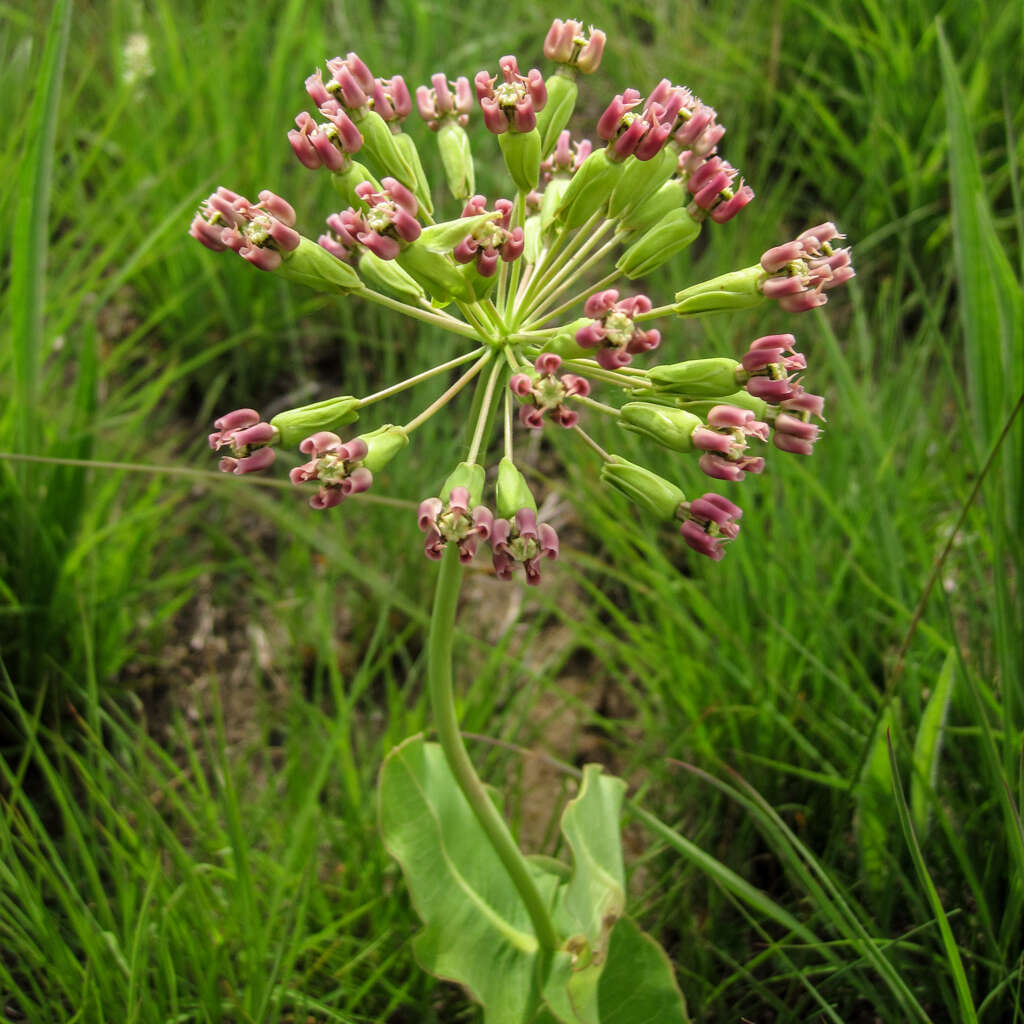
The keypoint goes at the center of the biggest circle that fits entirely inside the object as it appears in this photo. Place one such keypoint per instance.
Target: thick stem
(442, 699)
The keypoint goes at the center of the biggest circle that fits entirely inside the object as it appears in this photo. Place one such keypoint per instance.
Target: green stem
(442, 699)
(449, 323)
(575, 300)
(484, 417)
(572, 270)
(394, 389)
(441, 402)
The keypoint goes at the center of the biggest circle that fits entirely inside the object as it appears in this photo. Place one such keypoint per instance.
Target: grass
(201, 677)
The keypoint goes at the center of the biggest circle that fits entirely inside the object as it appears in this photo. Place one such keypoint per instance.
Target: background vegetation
(200, 675)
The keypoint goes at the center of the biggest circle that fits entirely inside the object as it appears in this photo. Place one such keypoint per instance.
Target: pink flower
(770, 372)
(546, 394)
(390, 221)
(259, 233)
(336, 466)
(351, 84)
(522, 542)
(514, 104)
(629, 133)
(453, 522)
(567, 44)
(492, 240)
(440, 102)
(613, 332)
(328, 145)
(801, 271)
(249, 439)
(709, 522)
(565, 160)
(793, 434)
(724, 443)
(391, 99)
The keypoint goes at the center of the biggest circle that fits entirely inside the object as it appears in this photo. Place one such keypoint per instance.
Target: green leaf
(874, 807)
(476, 929)
(928, 744)
(637, 985)
(596, 896)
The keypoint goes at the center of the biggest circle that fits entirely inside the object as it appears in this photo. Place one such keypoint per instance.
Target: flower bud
(673, 233)
(331, 414)
(407, 148)
(589, 189)
(313, 266)
(697, 378)
(521, 151)
(382, 445)
(387, 274)
(434, 272)
(468, 476)
(642, 217)
(564, 342)
(641, 179)
(738, 290)
(552, 120)
(646, 489)
(443, 237)
(457, 157)
(511, 491)
(672, 428)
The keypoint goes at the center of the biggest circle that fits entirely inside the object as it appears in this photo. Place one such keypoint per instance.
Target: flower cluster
(537, 284)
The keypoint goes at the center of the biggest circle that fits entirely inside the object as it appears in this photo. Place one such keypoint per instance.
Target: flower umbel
(525, 281)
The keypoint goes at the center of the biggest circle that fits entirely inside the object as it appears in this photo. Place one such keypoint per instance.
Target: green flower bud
(640, 179)
(533, 237)
(316, 267)
(554, 118)
(742, 399)
(407, 147)
(589, 189)
(554, 193)
(389, 276)
(644, 488)
(512, 492)
(345, 182)
(642, 217)
(672, 428)
(457, 157)
(521, 151)
(383, 445)
(697, 378)
(436, 273)
(294, 425)
(469, 476)
(380, 144)
(738, 290)
(443, 237)
(670, 235)
(564, 342)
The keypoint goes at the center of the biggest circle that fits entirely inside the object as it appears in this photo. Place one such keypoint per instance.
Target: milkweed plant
(542, 285)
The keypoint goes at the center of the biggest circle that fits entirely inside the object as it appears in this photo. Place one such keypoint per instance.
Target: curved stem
(442, 699)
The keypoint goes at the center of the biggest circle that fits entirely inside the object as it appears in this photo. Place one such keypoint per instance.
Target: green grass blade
(928, 746)
(956, 966)
(27, 293)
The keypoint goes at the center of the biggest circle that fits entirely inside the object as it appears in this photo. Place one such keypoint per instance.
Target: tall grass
(199, 869)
